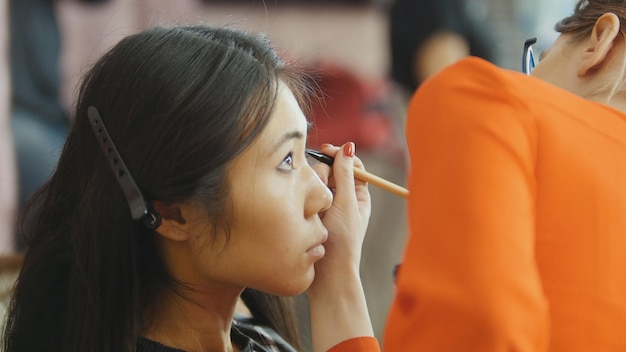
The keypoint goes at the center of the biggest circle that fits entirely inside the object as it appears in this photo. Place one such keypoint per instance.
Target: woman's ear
(173, 224)
(599, 43)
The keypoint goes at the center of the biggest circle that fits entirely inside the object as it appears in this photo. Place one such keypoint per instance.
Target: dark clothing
(248, 336)
(35, 51)
(413, 21)
(38, 119)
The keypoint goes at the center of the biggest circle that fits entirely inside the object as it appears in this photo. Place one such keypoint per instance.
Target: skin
(275, 240)
(336, 297)
(591, 67)
(277, 198)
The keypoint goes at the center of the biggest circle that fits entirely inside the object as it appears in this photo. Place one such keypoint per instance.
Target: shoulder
(361, 344)
(475, 89)
(474, 80)
(475, 75)
(469, 104)
(472, 91)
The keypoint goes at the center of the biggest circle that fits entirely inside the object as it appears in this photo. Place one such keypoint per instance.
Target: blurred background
(365, 55)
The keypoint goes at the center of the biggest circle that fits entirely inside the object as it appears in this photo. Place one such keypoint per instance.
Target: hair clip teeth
(139, 208)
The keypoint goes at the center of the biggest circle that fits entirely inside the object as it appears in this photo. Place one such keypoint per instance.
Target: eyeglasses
(528, 57)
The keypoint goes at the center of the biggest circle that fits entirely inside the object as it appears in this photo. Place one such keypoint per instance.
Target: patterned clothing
(255, 338)
(248, 336)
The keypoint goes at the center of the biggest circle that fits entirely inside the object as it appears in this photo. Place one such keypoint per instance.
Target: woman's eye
(287, 163)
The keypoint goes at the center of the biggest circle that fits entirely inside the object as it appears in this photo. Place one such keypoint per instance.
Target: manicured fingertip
(348, 149)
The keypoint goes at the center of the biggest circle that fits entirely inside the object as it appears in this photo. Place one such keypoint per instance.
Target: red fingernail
(348, 149)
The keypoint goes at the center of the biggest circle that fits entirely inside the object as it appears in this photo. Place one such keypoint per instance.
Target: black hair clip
(139, 208)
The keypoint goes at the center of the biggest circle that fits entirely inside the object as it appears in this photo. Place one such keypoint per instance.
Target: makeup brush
(362, 175)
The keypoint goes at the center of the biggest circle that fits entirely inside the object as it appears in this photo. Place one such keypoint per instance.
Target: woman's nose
(319, 197)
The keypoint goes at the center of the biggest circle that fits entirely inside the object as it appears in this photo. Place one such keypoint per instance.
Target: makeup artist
(182, 184)
(517, 201)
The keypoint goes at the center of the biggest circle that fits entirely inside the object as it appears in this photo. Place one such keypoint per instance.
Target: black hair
(180, 104)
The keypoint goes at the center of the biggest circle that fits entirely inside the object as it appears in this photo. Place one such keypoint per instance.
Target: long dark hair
(180, 103)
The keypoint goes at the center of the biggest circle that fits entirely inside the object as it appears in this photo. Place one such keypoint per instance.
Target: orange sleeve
(357, 344)
(469, 281)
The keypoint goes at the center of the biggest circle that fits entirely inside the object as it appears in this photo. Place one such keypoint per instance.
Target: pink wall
(8, 177)
(354, 36)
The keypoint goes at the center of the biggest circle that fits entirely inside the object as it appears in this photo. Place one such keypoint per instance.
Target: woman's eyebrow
(286, 137)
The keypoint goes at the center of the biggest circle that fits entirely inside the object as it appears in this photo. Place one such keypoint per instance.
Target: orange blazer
(357, 344)
(517, 218)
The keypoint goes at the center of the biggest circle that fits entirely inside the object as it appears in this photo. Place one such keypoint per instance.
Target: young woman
(518, 203)
(184, 182)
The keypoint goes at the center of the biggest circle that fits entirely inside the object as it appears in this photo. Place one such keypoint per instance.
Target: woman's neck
(617, 101)
(197, 322)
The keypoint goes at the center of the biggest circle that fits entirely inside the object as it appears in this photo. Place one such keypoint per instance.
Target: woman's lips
(318, 250)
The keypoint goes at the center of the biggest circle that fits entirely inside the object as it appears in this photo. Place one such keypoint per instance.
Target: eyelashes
(287, 163)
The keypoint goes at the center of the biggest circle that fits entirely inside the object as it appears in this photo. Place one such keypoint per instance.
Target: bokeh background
(346, 42)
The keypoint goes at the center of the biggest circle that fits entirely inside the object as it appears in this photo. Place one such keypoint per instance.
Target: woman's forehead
(286, 124)
(287, 114)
